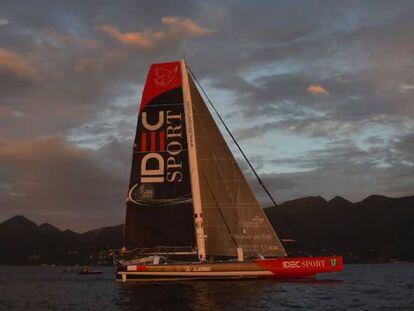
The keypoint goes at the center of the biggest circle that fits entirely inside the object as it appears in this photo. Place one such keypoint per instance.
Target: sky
(319, 95)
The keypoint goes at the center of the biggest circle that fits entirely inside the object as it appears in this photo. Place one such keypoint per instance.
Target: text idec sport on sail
(160, 181)
(165, 170)
(162, 123)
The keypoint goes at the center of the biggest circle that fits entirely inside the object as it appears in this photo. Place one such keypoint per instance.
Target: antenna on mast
(183, 55)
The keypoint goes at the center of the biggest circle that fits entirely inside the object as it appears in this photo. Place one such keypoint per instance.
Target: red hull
(300, 267)
(280, 268)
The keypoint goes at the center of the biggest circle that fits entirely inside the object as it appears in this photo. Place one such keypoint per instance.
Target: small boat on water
(191, 213)
(86, 271)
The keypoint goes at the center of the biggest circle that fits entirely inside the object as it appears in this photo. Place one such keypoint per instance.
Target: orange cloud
(4, 111)
(111, 58)
(175, 30)
(85, 65)
(19, 151)
(317, 89)
(186, 26)
(14, 65)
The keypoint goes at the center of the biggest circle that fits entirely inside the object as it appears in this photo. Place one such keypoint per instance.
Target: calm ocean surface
(359, 287)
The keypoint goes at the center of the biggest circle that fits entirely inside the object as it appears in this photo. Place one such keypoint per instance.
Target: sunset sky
(318, 93)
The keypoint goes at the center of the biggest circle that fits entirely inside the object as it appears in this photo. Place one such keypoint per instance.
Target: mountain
(339, 202)
(23, 242)
(375, 229)
(378, 228)
(104, 238)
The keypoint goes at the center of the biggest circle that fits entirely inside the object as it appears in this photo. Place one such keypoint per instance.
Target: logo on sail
(161, 160)
(164, 76)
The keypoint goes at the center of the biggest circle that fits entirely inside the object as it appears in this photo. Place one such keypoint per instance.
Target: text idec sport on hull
(291, 264)
(169, 169)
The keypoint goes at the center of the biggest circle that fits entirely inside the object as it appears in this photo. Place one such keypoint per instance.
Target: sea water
(358, 287)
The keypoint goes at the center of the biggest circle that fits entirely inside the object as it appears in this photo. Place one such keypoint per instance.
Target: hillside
(23, 242)
(376, 229)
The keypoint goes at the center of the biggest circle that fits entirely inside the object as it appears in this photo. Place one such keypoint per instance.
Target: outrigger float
(190, 212)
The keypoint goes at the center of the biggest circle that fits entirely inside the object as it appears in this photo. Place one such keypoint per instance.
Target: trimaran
(190, 211)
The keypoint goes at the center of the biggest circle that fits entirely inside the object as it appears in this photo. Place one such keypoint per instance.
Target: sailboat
(191, 213)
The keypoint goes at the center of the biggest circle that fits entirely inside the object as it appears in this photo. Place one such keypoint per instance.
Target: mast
(194, 173)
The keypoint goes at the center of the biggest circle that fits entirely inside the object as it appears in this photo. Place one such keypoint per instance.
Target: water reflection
(206, 295)
(382, 287)
(191, 295)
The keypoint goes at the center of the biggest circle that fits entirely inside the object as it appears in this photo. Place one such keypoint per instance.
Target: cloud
(343, 168)
(405, 146)
(175, 30)
(317, 89)
(13, 66)
(406, 88)
(69, 40)
(3, 22)
(85, 65)
(112, 58)
(51, 180)
(306, 126)
(17, 151)
(4, 111)
(187, 26)
(85, 86)
(354, 182)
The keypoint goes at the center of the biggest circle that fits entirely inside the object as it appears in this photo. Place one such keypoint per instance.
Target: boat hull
(277, 268)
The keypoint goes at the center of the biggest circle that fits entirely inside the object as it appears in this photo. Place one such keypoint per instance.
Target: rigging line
(220, 211)
(241, 151)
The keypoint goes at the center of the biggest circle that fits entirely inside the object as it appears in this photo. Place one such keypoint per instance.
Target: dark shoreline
(376, 230)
